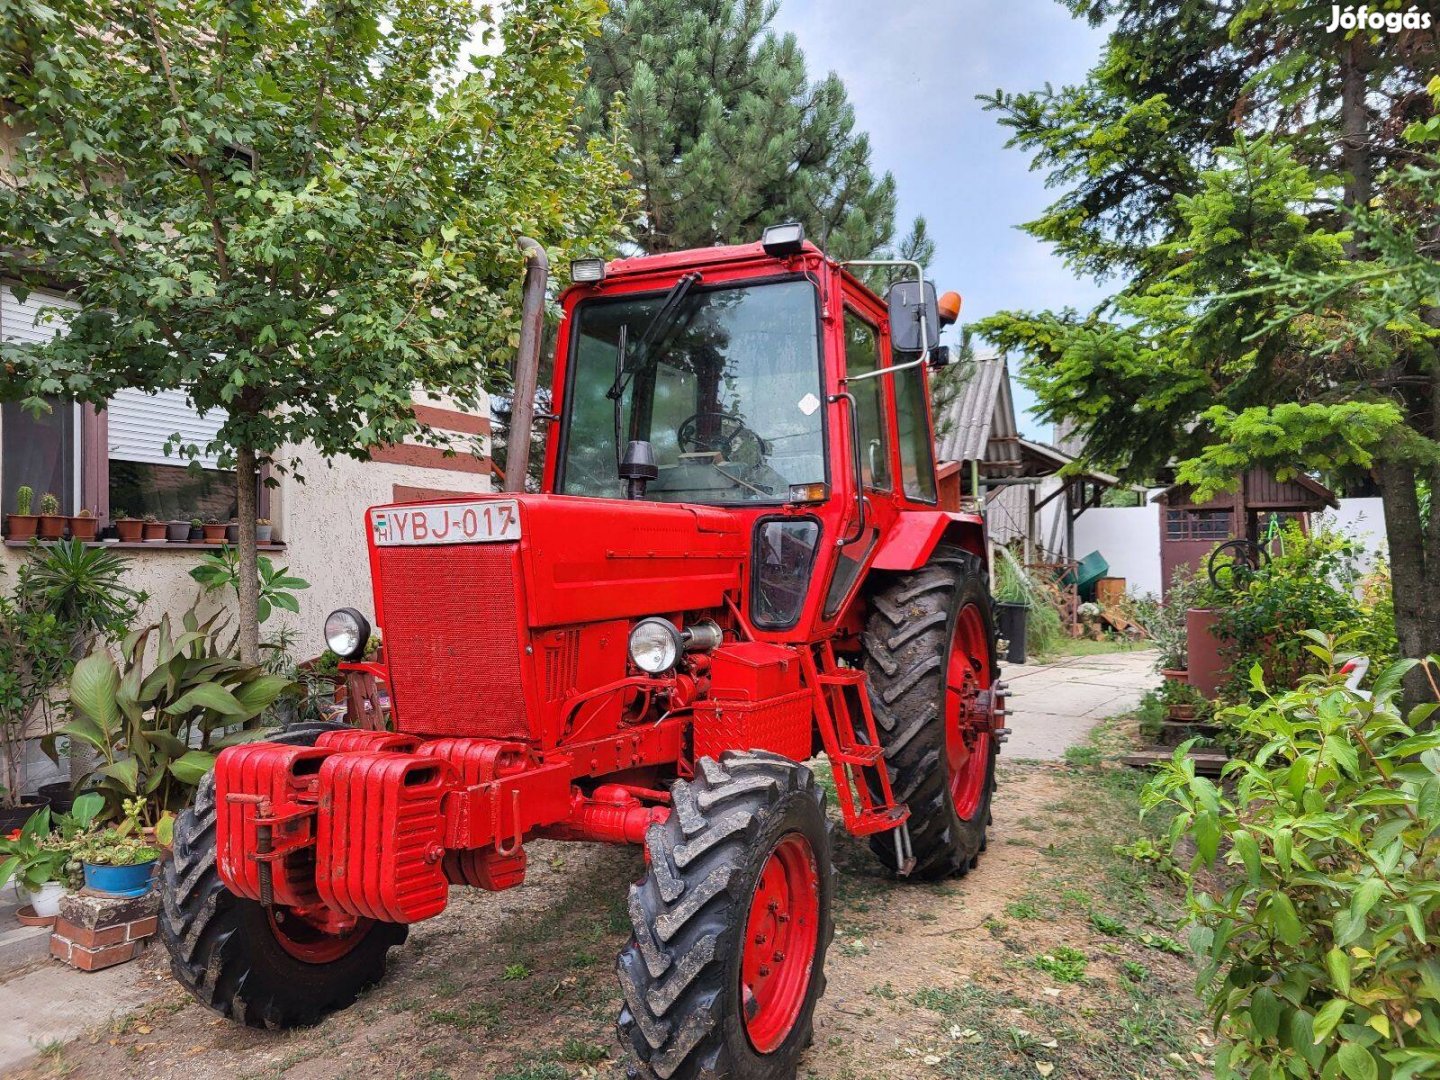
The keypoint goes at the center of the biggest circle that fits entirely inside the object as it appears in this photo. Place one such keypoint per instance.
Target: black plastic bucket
(1010, 621)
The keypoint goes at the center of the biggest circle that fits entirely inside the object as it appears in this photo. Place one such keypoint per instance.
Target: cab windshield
(724, 383)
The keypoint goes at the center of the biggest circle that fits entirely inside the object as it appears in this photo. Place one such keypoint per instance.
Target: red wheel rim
(967, 727)
(307, 940)
(780, 938)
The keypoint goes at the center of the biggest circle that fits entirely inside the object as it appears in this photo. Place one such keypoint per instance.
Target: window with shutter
(145, 479)
(37, 451)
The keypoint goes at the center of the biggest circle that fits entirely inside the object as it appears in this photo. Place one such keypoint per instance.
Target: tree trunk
(247, 478)
(1415, 615)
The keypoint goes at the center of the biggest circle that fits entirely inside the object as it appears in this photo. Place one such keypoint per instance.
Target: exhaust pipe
(527, 364)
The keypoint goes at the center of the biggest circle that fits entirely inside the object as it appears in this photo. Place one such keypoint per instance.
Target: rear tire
(225, 950)
(917, 622)
(743, 862)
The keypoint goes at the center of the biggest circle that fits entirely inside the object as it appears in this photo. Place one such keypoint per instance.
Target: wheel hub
(781, 933)
(316, 936)
(967, 717)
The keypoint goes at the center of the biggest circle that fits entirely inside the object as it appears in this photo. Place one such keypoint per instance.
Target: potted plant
(128, 528)
(35, 860)
(263, 530)
(177, 531)
(119, 860)
(197, 530)
(153, 530)
(83, 524)
(22, 524)
(214, 530)
(52, 522)
(232, 532)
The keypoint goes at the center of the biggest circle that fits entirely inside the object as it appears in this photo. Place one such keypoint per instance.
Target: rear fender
(917, 533)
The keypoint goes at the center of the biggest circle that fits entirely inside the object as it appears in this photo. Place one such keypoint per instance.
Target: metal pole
(527, 364)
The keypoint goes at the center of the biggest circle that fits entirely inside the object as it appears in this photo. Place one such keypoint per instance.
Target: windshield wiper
(657, 332)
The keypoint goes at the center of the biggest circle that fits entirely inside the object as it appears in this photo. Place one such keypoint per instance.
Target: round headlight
(654, 645)
(347, 632)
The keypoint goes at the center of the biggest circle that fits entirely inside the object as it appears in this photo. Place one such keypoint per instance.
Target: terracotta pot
(52, 526)
(1179, 675)
(177, 532)
(214, 534)
(83, 528)
(1182, 712)
(26, 916)
(21, 526)
(1207, 665)
(129, 530)
(153, 532)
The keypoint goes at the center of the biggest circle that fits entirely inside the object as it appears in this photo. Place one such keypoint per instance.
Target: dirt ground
(1055, 958)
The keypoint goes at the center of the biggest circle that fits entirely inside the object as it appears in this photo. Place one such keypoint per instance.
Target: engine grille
(452, 639)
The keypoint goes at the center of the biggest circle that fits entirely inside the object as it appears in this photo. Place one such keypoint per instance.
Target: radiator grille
(452, 639)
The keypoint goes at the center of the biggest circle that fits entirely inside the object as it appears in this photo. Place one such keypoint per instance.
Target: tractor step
(861, 755)
(842, 677)
(878, 820)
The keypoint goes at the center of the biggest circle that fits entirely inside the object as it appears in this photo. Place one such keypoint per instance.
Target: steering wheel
(1244, 558)
(730, 436)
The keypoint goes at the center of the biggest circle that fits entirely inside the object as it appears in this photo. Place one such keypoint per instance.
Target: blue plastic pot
(119, 880)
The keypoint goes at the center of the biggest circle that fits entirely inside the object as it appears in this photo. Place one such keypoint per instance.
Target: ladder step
(879, 820)
(842, 677)
(861, 755)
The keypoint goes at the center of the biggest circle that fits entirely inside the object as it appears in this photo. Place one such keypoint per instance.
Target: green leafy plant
(24, 496)
(1065, 964)
(30, 855)
(1167, 624)
(49, 504)
(156, 724)
(277, 588)
(118, 845)
(1318, 949)
(196, 523)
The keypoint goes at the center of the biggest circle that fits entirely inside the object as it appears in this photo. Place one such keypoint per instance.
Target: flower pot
(46, 899)
(60, 795)
(129, 530)
(26, 916)
(232, 533)
(1179, 675)
(196, 534)
(263, 533)
(1182, 713)
(21, 526)
(1010, 620)
(177, 532)
(214, 534)
(153, 532)
(84, 528)
(13, 817)
(52, 526)
(119, 880)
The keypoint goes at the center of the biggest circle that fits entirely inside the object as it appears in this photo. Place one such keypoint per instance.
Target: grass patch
(1065, 964)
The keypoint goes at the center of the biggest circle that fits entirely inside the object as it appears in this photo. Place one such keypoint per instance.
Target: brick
(92, 939)
(77, 956)
(142, 928)
(95, 912)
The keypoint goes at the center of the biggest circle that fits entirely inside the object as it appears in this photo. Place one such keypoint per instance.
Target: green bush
(1312, 581)
(1167, 625)
(1317, 926)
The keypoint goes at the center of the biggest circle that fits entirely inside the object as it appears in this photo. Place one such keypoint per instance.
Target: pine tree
(728, 133)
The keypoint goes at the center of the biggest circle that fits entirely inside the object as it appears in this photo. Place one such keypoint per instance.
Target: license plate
(446, 523)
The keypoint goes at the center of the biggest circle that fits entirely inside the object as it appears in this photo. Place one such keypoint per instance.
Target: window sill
(141, 545)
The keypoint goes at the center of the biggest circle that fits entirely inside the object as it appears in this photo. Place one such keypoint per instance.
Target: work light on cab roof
(740, 557)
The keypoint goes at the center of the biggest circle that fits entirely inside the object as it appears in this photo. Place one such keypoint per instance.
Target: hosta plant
(1314, 892)
(157, 720)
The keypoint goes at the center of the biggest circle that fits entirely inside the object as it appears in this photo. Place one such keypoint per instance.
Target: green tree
(1244, 176)
(729, 134)
(295, 212)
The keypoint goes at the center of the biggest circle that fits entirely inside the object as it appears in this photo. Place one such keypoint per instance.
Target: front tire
(731, 923)
(929, 650)
(234, 957)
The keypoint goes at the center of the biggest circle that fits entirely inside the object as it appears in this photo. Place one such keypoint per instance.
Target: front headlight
(347, 632)
(654, 645)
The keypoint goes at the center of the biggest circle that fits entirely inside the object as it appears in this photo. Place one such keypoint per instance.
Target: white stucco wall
(1129, 538)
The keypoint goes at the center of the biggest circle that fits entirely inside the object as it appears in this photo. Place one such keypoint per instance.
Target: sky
(912, 69)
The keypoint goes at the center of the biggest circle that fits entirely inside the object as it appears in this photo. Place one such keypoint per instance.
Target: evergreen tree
(728, 133)
(1243, 173)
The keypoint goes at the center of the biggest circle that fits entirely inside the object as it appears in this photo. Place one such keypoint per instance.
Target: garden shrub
(1167, 626)
(1317, 925)
(1311, 581)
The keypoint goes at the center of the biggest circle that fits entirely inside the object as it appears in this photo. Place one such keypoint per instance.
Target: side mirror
(941, 356)
(909, 304)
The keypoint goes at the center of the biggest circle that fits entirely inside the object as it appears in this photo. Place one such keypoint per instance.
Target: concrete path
(53, 1003)
(1054, 706)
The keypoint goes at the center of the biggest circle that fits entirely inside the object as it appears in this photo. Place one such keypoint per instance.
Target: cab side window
(862, 355)
(917, 448)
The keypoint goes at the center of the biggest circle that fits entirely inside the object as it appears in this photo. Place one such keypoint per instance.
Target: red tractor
(738, 561)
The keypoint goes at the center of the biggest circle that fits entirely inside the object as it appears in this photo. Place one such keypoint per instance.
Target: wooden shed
(1189, 531)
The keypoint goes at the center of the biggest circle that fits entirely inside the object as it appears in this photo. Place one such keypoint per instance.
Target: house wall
(1129, 538)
